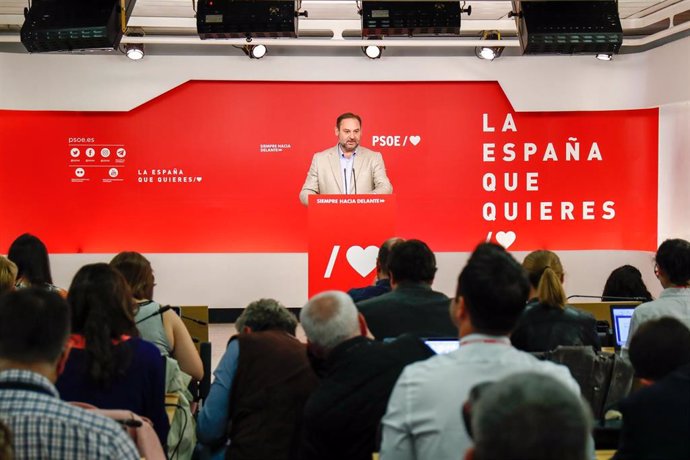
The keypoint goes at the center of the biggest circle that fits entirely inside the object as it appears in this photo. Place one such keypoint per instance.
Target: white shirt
(673, 302)
(424, 416)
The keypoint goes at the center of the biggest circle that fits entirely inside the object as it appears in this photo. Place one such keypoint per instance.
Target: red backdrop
(218, 166)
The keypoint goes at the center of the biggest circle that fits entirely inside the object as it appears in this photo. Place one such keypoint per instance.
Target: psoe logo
(395, 141)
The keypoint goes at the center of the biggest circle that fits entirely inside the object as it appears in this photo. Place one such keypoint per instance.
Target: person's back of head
(330, 318)
(102, 312)
(412, 261)
(673, 260)
(384, 255)
(494, 288)
(31, 257)
(34, 326)
(8, 275)
(529, 416)
(545, 274)
(659, 347)
(137, 271)
(625, 281)
(266, 315)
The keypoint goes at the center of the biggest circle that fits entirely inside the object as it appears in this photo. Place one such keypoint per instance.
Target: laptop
(621, 315)
(442, 345)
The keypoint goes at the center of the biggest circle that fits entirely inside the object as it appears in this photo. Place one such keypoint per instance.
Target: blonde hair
(545, 274)
(8, 274)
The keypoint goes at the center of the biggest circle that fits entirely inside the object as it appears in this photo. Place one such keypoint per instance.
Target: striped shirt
(45, 427)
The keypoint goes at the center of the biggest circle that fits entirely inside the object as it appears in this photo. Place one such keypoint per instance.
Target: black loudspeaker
(66, 25)
(406, 19)
(569, 27)
(246, 19)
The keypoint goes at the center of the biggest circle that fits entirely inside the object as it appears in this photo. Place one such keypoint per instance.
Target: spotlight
(134, 51)
(605, 56)
(373, 51)
(489, 52)
(255, 51)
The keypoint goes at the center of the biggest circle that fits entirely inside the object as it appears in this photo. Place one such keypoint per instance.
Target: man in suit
(346, 168)
(656, 423)
(412, 306)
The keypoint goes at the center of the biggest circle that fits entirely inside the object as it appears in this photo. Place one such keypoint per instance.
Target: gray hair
(330, 318)
(530, 415)
(266, 314)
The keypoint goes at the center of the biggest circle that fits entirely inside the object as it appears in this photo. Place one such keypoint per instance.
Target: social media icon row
(91, 152)
(112, 172)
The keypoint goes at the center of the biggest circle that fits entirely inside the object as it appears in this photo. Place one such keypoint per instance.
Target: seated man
(412, 306)
(42, 425)
(656, 420)
(261, 384)
(342, 416)
(423, 417)
(529, 416)
(383, 282)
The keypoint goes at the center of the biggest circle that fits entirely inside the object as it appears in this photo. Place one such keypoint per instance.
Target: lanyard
(497, 341)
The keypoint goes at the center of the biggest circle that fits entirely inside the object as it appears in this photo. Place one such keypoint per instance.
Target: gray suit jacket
(325, 175)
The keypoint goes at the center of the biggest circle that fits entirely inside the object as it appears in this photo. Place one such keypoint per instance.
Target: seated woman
(109, 366)
(33, 266)
(547, 322)
(625, 283)
(166, 331)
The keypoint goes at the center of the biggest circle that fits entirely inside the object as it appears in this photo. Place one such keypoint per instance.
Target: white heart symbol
(198, 179)
(505, 239)
(362, 260)
(415, 139)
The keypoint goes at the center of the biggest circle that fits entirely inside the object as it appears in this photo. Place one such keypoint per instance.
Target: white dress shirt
(424, 416)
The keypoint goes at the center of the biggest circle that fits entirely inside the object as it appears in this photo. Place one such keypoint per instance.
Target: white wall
(656, 78)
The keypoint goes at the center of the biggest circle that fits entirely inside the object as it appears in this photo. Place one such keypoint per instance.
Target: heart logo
(506, 239)
(361, 259)
(198, 179)
(415, 140)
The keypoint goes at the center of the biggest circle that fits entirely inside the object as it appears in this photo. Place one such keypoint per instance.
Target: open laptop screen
(620, 319)
(442, 346)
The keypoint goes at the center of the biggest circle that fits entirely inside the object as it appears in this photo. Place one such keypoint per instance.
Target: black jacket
(656, 420)
(543, 328)
(409, 308)
(341, 418)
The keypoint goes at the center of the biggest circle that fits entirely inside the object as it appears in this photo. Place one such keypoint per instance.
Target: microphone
(194, 320)
(160, 311)
(354, 179)
(610, 297)
(345, 179)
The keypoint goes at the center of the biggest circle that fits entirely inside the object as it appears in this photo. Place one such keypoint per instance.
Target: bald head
(330, 318)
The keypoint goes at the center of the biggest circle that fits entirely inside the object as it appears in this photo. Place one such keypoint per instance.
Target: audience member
(8, 275)
(656, 420)
(254, 408)
(34, 329)
(33, 266)
(623, 283)
(110, 367)
(412, 306)
(423, 416)
(166, 331)
(383, 282)
(547, 321)
(357, 374)
(672, 269)
(529, 416)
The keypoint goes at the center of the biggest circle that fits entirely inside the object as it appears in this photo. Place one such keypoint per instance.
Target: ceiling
(169, 27)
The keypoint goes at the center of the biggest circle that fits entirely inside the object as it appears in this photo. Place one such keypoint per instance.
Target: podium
(345, 232)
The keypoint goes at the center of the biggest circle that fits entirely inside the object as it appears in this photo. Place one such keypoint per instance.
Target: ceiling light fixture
(134, 51)
(489, 53)
(605, 56)
(255, 51)
(373, 51)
